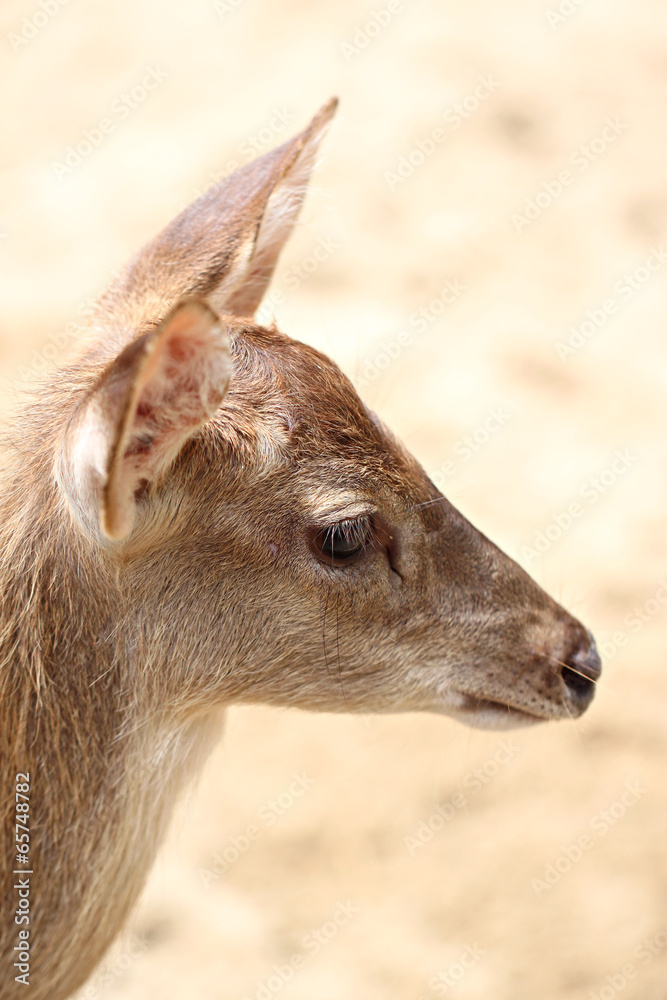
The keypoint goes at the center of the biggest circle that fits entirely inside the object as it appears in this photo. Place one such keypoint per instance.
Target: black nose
(582, 669)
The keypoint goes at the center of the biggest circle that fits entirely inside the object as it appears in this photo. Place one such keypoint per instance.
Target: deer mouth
(485, 713)
(568, 694)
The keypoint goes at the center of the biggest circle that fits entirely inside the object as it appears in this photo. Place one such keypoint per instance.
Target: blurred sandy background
(460, 915)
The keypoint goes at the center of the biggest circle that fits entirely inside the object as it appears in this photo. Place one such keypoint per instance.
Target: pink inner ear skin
(144, 409)
(140, 446)
(180, 376)
(182, 348)
(177, 384)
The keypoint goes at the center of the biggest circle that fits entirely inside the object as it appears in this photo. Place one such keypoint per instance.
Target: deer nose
(581, 670)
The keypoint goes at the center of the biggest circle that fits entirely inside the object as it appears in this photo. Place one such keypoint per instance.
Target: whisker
(340, 672)
(600, 683)
(428, 503)
(568, 666)
(323, 612)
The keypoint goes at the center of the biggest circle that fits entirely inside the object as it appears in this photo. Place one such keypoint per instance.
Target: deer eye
(342, 541)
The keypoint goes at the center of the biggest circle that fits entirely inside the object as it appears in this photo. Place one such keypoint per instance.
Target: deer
(198, 512)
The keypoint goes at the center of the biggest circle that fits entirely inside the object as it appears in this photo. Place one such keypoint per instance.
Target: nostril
(577, 683)
(582, 669)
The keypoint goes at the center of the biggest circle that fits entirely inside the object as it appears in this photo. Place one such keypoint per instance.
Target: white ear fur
(151, 399)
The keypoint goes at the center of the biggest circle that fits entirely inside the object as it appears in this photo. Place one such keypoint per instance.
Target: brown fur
(119, 646)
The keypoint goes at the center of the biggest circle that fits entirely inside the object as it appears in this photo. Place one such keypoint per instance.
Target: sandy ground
(537, 220)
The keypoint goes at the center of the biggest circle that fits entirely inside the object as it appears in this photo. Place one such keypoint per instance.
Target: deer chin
(485, 713)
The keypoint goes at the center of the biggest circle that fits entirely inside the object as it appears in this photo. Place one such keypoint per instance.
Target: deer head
(202, 511)
(269, 539)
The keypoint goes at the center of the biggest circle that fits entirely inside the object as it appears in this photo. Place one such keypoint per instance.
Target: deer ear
(285, 188)
(225, 245)
(150, 400)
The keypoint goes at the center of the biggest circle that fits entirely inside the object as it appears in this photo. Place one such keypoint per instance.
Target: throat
(93, 859)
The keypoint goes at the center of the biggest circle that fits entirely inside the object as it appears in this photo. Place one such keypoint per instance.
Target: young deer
(201, 511)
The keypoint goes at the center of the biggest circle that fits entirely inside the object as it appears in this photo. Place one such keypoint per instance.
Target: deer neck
(106, 761)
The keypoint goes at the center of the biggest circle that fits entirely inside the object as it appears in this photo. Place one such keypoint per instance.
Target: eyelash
(343, 541)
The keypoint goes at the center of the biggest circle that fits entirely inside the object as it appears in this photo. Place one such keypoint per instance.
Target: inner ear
(129, 429)
(176, 386)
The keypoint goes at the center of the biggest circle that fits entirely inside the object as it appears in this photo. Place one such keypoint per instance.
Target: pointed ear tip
(323, 117)
(196, 306)
(329, 110)
(189, 313)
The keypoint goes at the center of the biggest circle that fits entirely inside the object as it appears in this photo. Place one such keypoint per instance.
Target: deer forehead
(288, 403)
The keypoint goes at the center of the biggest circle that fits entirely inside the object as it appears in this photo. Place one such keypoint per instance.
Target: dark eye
(343, 540)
